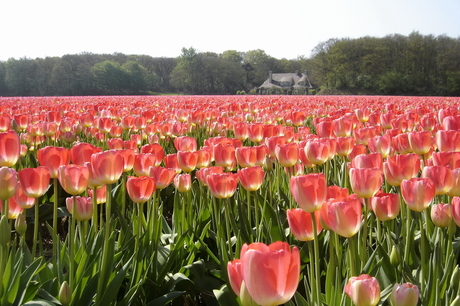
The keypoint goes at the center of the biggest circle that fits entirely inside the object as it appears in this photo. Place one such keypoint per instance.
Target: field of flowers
(230, 200)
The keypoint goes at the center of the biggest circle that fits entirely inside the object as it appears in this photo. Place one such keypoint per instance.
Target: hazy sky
(283, 29)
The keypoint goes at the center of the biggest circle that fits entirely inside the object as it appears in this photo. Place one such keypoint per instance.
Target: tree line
(395, 64)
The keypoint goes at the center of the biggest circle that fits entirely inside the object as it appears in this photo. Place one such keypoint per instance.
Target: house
(286, 83)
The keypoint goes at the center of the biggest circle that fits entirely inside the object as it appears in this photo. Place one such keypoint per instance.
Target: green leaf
(39, 303)
(165, 299)
(114, 285)
(25, 281)
(225, 297)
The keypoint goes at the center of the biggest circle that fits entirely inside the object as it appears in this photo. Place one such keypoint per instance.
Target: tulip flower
(401, 167)
(222, 186)
(183, 182)
(163, 176)
(406, 294)
(8, 183)
(83, 208)
(9, 148)
(204, 158)
(187, 160)
(418, 193)
(448, 140)
(441, 214)
(21, 199)
(141, 188)
(309, 191)
(344, 145)
(101, 194)
(185, 143)
(287, 154)
(128, 159)
(386, 206)
(273, 142)
(363, 290)
(251, 178)
(366, 182)
(172, 163)
(318, 151)
(441, 176)
(143, 162)
(81, 153)
(256, 132)
(34, 181)
(336, 192)
(73, 178)
(448, 159)
(203, 173)
(301, 225)
(107, 166)
(372, 160)
(235, 275)
(357, 150)
(224, 155)
(380, 144)
(155, 149)
(246, 156)
(270, 272)
(421, 142)
(342, 216)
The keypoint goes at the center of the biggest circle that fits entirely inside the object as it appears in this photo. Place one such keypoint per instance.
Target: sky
(283, 29)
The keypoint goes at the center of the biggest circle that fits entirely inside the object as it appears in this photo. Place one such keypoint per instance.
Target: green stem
(423, 255)
(317, 261)
(55, 218)
(248, 196)
(35, 237)
(353, 253)
(95, 215)
(72, 244)
(103, 276)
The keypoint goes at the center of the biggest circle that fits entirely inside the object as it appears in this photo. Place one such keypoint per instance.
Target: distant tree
(19, 76)
(110, 78)
(136, 78)
(3, 87)
(186, 75)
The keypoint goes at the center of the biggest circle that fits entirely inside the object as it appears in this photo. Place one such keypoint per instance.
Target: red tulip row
(346, 159)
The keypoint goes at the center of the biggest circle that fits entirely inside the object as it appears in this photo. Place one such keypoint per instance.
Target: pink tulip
(301, 225)
(270, 272)
(83, 207)
(418, 193)
(342, 216)
(405, 294)
(363, 290)
(309, 191)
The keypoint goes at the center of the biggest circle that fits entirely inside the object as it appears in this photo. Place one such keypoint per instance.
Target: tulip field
(230, 200)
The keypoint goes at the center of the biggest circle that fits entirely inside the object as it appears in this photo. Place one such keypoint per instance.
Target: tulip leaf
(165, 299)
(39, 303)
(114, 285)
(225, 297)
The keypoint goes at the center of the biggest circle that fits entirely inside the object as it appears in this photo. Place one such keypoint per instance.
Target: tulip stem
(55, 217)
(423, 255)
(317, 261)
(353, 252)
(248, 196)
(95, 216)
(35, 239)
(72, 244)
(103, 276)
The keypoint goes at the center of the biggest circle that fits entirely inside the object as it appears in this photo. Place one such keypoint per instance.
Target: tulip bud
(5, 231)
(65, 294)
(20, 225)
(404, 294)
(395, 257)
(455, 279)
